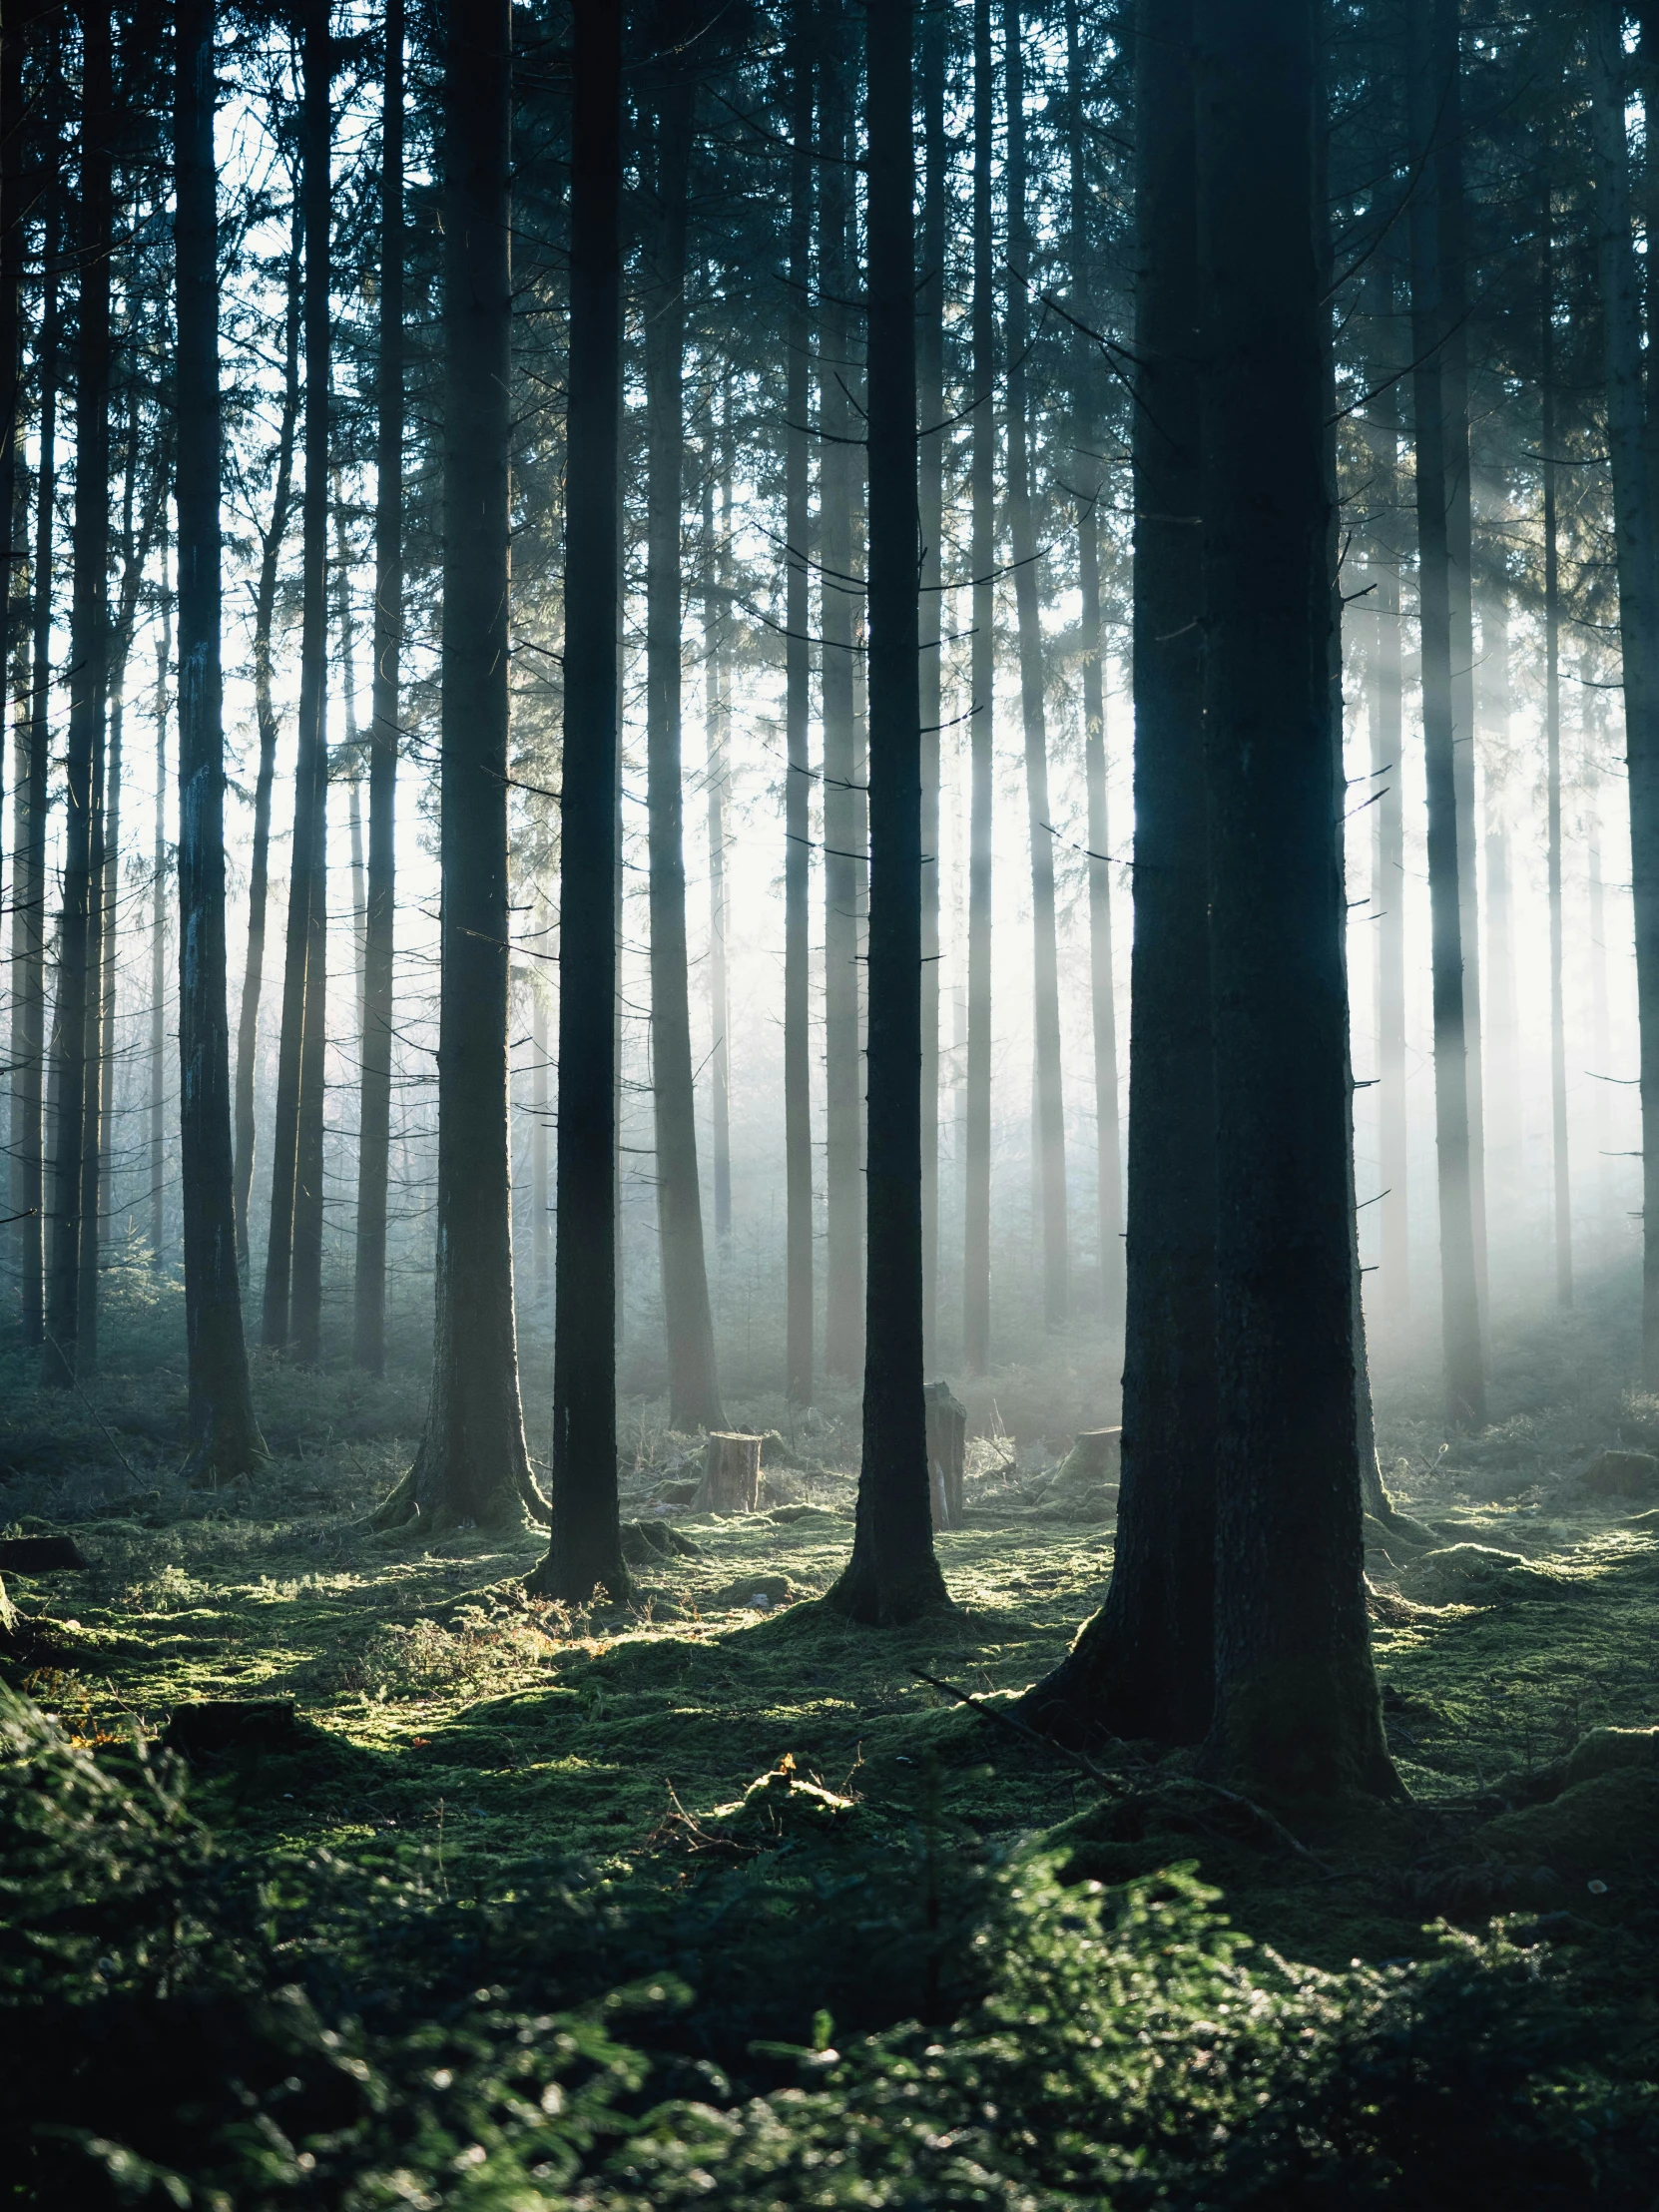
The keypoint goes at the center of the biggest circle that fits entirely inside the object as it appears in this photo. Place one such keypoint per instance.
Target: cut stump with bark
(1092, 1458)
(731, 1474)
(946, 1453)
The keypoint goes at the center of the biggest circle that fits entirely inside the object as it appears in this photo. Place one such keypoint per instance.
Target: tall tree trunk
(472, 1465)
(1501, 1039)
(368, 1325)
(1296, 1703)
(840, 592)
(892, 1575)
(157, 942)
(798, 1065)
(88, 663)
(586, 1547)
(92, 1103)
(1089, 489)
(1459, 1273)
(29, 892)
(1638, 574)
(264, 709)
(224, 1437)
(1045, 1004)
(694, 1388)
(1561, 1176)
(1142, 1667)
(13, 213)
(293, 1304)
(977, 1219)
(1388, 887)
(716, 716)
(353, 747)
(931, 408)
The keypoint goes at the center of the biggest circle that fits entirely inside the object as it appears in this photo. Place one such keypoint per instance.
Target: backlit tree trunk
(977, 1226)
(930, 409)
(798, 1096)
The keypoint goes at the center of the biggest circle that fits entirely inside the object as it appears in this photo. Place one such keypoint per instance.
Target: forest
(829, 1314)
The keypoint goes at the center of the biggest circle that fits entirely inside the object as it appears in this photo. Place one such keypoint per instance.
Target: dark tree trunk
(1388, 887)
(1089, 489)
(92, 1102)
(1459, 1276)
(839, 593)
(375, 1124)
(976, 1220)
(892, 1575)
(264, 608)
(12, 218)
(88, 664)
(472, 1465)
(694, 1388)
(1045, 1003)
(1638, 573)
(293, 1307)
(798, 786)
(1142, 1667)
(930, 409)
(1561, 1177)
(29, 892)
(1297, 1704)
(224, 1437)
(586, 1548)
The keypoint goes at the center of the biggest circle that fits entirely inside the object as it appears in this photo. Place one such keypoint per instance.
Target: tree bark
(369, 1324)
(1045, 1003)
(292, 1306)
(1561, 1163)
(158, 944)
(472, 1465)
(88, 660)
(1459, 1273)
(29, 880)
(1089, 488)
(839, 603)
(13, 211)
(224, 1437)
(717, 708)
(693, 1387)
(1296, 1703)
(930, 409)
(1388, 765)
(892, 1575)
(1638, 574)
(1143, 1666)
(976, 1221)
(265, 608)
(586, 1548)
(798, 773)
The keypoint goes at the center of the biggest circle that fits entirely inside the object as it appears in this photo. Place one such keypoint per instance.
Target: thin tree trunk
(92, 1104)
(29, 927)
(541, 1194)
(224, 1437)
(1638, 574)
(1561, 1162)
(88, 663)
(1502, 1042)
(976, 1220)
(931, 408)
(292, 1316)
(892, 1575)
(1142, 1667)
(353, 756)
(1296, 1703)
(13, 211)
(716, 713)
(586, 1546)
(265, 608)
(368, 1327)
(797, 1092)
(472, 1465)
(1089, 488)
(1459, 1275)
(1388, 804)
(157, 942)
(1045, 1005)
(839, 597)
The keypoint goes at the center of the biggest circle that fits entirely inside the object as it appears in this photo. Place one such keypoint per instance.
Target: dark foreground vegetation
(717, 1901)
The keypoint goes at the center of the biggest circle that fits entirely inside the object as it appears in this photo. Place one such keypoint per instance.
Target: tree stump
(731, 1474)
(946, 1453)
(1093, 1458)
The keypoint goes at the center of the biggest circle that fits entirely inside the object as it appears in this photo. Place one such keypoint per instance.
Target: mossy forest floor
(489, 1756)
